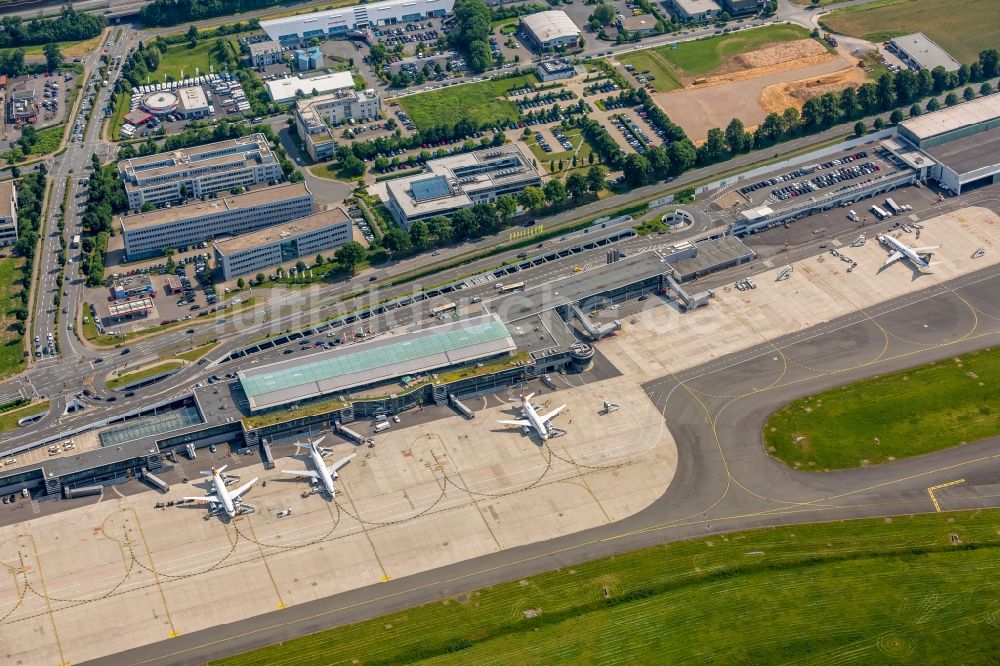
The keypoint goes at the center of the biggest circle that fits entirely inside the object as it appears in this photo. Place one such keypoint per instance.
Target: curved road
(724, 480)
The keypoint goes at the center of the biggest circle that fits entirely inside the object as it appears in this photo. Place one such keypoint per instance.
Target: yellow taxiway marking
(930, 491)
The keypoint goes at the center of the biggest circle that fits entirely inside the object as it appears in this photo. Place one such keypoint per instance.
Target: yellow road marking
(930, 491)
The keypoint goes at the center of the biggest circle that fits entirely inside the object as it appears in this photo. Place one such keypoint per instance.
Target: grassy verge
(906, 413)
(12, 358)
(193, 355)
(331, 171)
(118, 116)
(482, 102)
(704, 56)
(951, 28)
(48, 140)
(402, 173)
(145, 373)
(653, 61)
(8, 420)
(868, 588)
(71, 49)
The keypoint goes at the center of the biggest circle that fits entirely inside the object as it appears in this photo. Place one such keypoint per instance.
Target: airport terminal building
(460, 181)
(303, 238)
(201, 170)
(149, 234)
(339, 22)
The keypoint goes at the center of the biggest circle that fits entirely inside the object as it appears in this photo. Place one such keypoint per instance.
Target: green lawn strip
(11, 347)
(665, 80)
(950, 27)
(138, 375)
(49, 139)
(868, 588)
(906, 413)
(482, 102)
(181, 58)
(193, 355)
(8, 420)
(118, 116)
(704, 56)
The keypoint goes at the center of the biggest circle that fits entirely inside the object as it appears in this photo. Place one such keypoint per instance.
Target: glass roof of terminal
(347, 362)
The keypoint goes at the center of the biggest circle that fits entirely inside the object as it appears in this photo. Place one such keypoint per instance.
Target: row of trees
(472, 30)
(69, 25)
(172, 12)
(105, 197)
(30, 195)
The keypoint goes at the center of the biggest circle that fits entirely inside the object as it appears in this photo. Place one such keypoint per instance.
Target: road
(724, 481)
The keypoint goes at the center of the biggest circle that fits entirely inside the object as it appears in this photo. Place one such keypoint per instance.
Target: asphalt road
(724, 481)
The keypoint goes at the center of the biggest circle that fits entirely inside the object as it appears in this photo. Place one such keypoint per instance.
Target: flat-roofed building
(8, 212)
(550, 30)
(265, 53)
(920, 52)
(151, 233)
(286, 89)
(550, 70)
(694, 10)
(642, 25)
(373, 363)
(201, 170)
(954, 122)
(121, 310)
(339, 22)
(460, 181)
(302, 238)
(735, 7)
(314, 115)
(192, 102)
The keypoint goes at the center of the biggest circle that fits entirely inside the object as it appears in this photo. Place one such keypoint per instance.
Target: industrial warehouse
(340, 22)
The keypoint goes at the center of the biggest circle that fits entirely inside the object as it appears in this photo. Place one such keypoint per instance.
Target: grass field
(69, 49)
(180, 61)
(911, 412)
(8, 420)
(865, 592)
(48, 140)
(964, 29)
(482, 102)
(118, 116)
(704, 56)
(193, 355)
(11, 349)
(665, 81)
(138, 375)
(581, 148)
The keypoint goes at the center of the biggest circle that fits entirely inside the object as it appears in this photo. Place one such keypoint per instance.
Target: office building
(339, 22)
(286, 89)
(303, 239)
(460, 181)
(310, 58)
(192, 102)
(550, 70)
(266, 53)
(149, 234)
(736, 7)
(314, 115)
(919, 52)
(550, 30)
(200, 170)
(694, 10)
(8, 212)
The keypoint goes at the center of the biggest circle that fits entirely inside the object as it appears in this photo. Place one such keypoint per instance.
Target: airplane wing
(304, 472)
(242, 489)
(524, 423)
(212, 498)
(925, 250)
(340, 463)
(551, 415)
(895, 256)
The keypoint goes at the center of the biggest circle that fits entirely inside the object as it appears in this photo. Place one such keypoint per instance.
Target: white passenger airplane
(531, 418)
(920, 257)
(322, 475)
(223, 500)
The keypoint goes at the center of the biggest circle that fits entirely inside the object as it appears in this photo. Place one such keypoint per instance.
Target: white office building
(148, 234)
(550, 30)
(266, 53)
(286, 89)
(8, 212)
(313, 117)
(303, 239)
(338, 22)
(460, 181)
(201, 170)
(694, 10)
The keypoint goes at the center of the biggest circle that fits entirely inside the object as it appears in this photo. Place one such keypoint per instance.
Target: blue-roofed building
(310, 58)
(373, 363)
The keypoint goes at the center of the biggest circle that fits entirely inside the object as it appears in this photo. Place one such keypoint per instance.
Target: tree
(714, 147)
(352, 167)
(986, 89)
(896, 117)
(300, 267)
(968, 94)
(440, 229)
(555, 191)
(420, 235)
(349, 255)
(951, 99)
(878, 124)
(259, 278)
(682, 156)
(319, 259)
(53, 56)
(506, 207)
(396, 240)
(635, 169)
(192, 35)
(531, 197)
(576, 185)
(183, 192)
(596, 179)
(604, 13)
(859, 129)
(29, 137)
(240, 284)
(915, 111)
(933, 104)
(735, 133)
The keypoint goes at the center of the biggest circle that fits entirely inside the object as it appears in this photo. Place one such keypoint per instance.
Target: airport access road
(724, 481)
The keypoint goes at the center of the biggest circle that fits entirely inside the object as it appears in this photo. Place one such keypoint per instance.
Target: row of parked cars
(405, 119)
(826, 180)
(803, 171)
